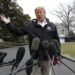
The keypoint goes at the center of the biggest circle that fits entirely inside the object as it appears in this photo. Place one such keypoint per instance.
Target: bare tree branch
(64, 13)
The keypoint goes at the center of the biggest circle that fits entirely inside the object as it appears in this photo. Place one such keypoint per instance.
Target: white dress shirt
(42, 23)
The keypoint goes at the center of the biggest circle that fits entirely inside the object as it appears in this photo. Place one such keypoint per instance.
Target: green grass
(68, 49)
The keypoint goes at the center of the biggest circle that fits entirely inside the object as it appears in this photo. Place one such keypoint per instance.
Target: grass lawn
(68, 49)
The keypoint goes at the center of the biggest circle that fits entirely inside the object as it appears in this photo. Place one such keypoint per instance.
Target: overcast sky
(50, 5)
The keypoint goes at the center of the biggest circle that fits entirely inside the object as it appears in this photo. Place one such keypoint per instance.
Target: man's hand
(4, 19)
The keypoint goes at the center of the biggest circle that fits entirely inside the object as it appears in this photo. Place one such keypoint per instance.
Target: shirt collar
(42, 23)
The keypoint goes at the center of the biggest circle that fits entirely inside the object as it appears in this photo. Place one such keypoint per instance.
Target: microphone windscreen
(45, 44)
(20, 54)
(35, 44)
(19, 57)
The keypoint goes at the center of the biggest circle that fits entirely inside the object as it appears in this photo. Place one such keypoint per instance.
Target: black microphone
(45, 44)
(35, 44)
(20, 54)
(19, 57)
(50, 47)
(54, 48)
(2, 56)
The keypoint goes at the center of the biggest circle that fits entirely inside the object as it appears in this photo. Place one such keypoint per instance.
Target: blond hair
(40, 8)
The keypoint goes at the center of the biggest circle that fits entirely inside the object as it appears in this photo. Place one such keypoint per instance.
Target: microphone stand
(67, 66)
(51, 64)
(20, 68)
(67, 58)
(64, 63)
(7, 63)
(26, 68)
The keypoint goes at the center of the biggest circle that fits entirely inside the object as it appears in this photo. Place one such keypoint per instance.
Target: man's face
(40, 14)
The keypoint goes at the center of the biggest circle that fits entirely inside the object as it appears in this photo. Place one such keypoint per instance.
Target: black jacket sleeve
(58, 41)
(15, 30)
(56, 35)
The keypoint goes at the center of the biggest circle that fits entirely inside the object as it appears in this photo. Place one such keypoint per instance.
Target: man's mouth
(39, 17)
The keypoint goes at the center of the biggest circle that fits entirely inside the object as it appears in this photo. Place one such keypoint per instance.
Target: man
(42, 28)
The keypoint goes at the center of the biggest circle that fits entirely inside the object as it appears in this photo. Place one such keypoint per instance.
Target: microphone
(35, 44)
(19, 57)
(20, 54)
(51, 48)
(54, 47)
(2, 56)
(45, 44)
(34, 47)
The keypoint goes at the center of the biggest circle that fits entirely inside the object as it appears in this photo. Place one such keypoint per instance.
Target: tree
(74, 7)
(14, 11)
(64, 13)
(74, 14)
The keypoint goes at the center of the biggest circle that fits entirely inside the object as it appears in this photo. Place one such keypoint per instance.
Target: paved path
(59, 70)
